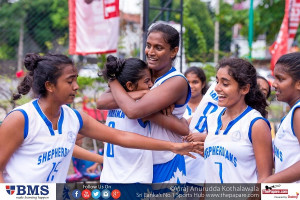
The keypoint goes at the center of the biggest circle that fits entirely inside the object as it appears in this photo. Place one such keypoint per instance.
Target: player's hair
(244, 73)
(291, 63)
(41, 69)
(124, 70)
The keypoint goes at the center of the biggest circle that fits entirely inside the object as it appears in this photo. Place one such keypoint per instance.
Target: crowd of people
(162, 126)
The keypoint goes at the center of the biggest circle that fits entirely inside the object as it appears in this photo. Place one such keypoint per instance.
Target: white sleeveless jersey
(229, 155)
(45, 154)
(161, 133)
(208, 104)
(126, 165)
(286, 145)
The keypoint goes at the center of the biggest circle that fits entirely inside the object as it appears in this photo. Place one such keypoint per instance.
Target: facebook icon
(76, 194)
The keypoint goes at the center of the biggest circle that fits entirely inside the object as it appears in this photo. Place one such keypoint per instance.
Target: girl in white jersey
(287, 140)
(124, 165)
(37, 138)
(170, 87)
(197, 80)
(238, 147)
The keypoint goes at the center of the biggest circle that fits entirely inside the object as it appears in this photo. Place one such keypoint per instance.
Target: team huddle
(162, 126)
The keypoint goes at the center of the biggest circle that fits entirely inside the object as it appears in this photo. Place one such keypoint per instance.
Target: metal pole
(250, 29)
(145, 25)
(217, 27)
(181, 34)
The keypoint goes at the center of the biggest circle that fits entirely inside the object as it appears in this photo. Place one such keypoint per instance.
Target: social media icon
(76, 194)
(105, 194)
(116, 194)
(96, 194)
(86, 194)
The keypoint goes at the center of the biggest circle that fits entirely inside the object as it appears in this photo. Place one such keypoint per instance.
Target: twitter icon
(96, 194)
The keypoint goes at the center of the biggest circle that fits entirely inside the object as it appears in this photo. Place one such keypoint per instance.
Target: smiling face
(195, 83)
(65, 89)
(159, 53)
(287, 90)
(229, 93)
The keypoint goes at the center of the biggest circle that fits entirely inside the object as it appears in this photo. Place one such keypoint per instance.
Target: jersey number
(110, 147)
(220, 171)
(210, 108)
(53, 171)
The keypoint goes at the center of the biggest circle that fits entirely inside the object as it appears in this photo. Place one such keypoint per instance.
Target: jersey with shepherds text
(286, 145)
(229, 155)
(45, 154)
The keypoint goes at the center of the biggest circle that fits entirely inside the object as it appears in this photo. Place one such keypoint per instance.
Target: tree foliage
(45, 23)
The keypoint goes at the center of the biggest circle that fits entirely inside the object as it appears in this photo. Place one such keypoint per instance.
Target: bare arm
(107, 101)
(11, 138)
(84, 154)
(292, 173)
(262, 145)
(173, 90)
(93, 129)
(178, 126)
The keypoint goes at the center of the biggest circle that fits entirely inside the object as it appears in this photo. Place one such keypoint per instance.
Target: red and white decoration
(94, 26)
(287, 31)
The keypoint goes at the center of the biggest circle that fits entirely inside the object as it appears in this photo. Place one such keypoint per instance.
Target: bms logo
(10, 189)
(27, 189)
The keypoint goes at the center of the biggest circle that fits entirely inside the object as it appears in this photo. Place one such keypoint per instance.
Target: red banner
(287, 31)
(94, 26)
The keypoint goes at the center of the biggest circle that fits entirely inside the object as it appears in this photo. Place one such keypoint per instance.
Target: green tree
(45, 25)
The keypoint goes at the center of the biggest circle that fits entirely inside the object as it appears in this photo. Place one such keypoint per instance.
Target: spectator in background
(197, 80)
(264, 86)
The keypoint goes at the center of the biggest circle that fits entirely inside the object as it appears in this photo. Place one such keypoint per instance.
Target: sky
(131, 6)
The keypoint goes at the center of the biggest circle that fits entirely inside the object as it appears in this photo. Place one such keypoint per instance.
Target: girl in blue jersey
(37, 138)
(287, 140)
(170, 87)
(238, 147)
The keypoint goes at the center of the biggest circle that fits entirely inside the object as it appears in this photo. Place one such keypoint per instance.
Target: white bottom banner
(280, 191)
(14, 191)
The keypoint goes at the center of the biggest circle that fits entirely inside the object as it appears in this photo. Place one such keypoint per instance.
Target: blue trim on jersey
(189, 88)
(170, 71)
(219, 122)
(142, 124)
(26, 125)
(165, 171)
(46, 120)
(292, 118)
(231, 123)
(189, 110)
(79, 118)
(252, 123)
(60, 121)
